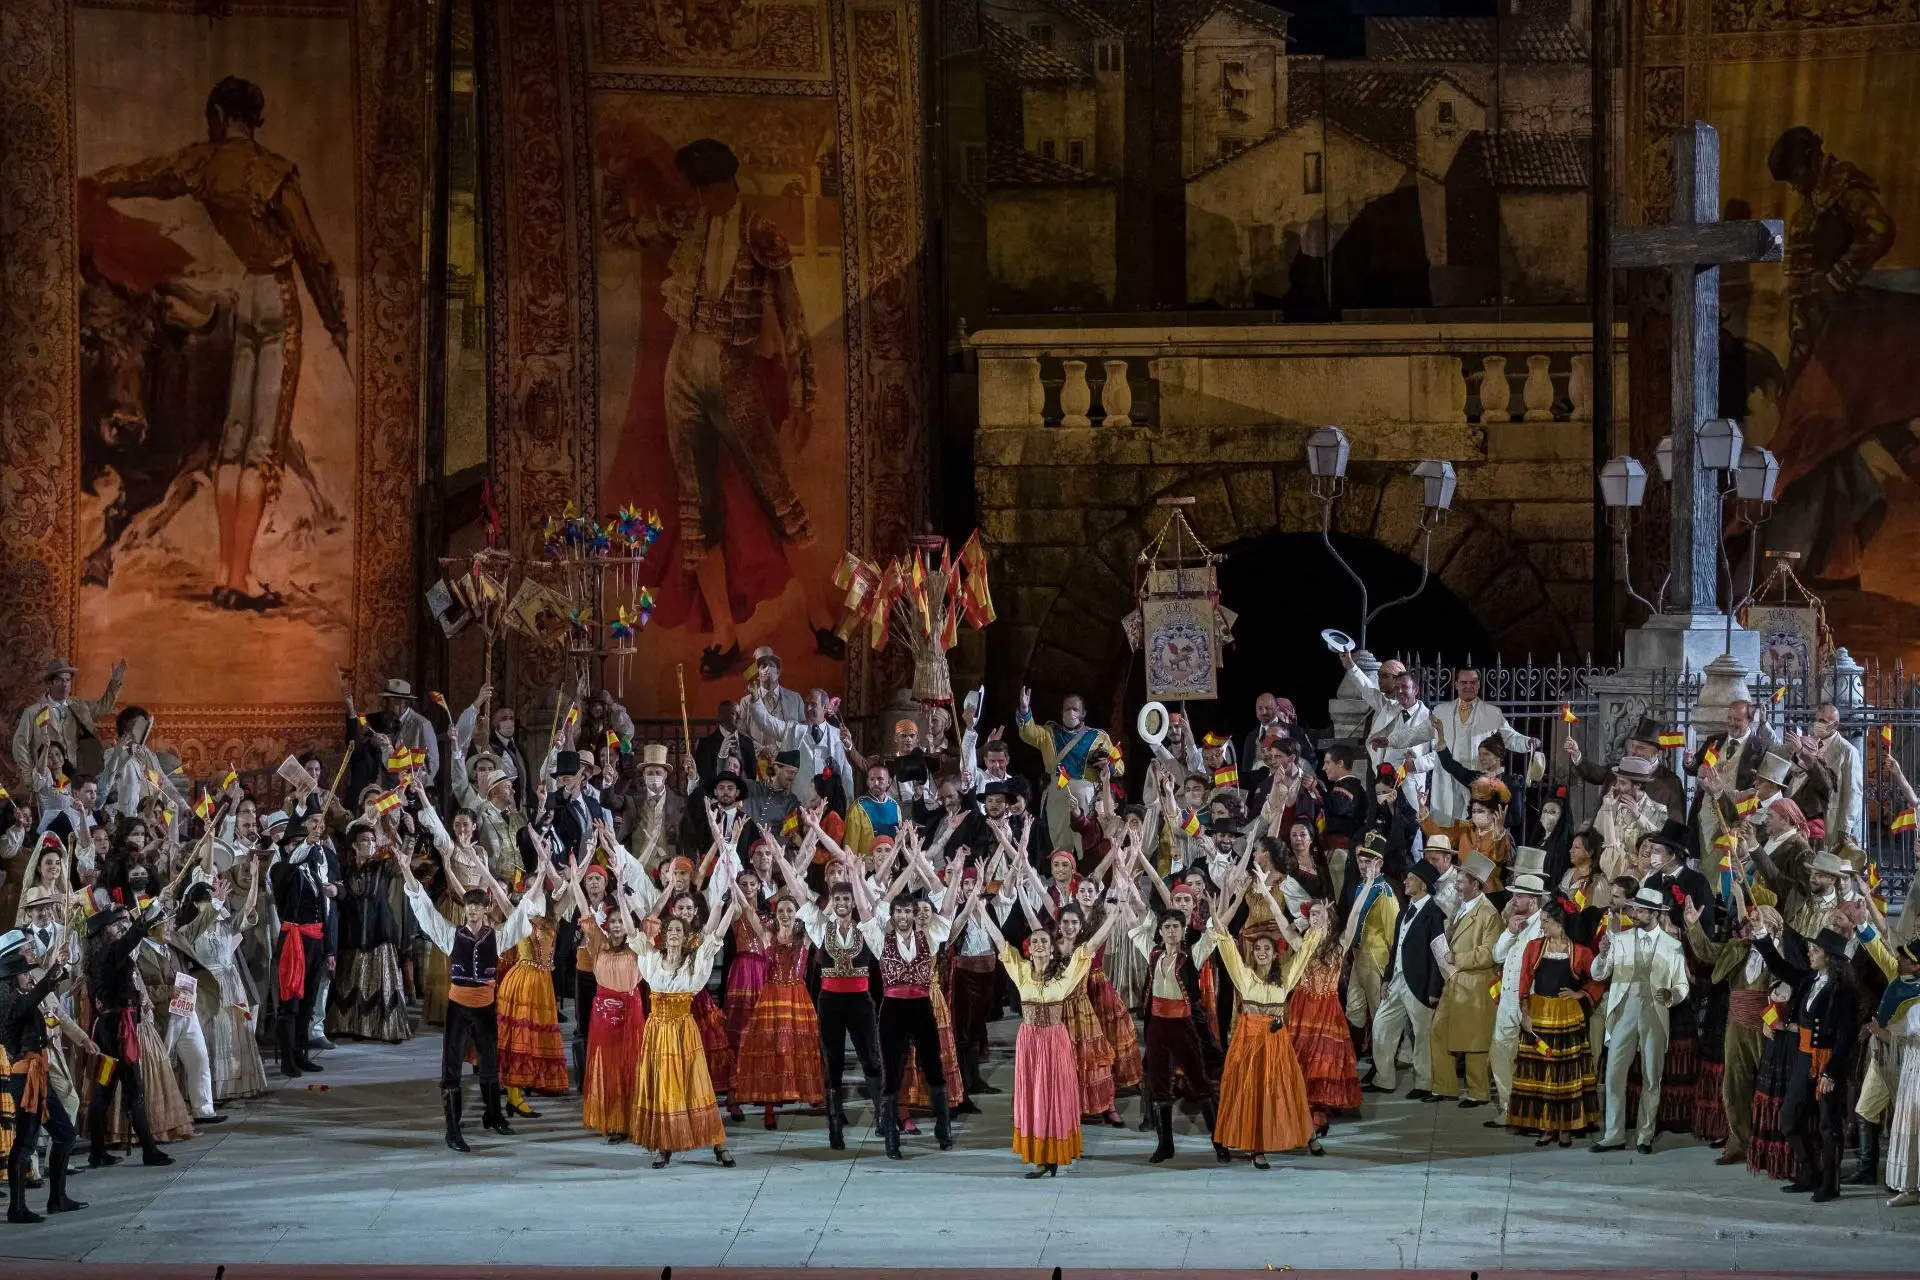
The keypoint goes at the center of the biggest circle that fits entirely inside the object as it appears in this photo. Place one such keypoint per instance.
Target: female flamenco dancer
(779, 1059)
(1178, 1036)
(1318, 1019)
(533, 1055)
(1046, 1086)
(674, 1106)
(1554, 1082)
(617, 1018)
(1263, 1093)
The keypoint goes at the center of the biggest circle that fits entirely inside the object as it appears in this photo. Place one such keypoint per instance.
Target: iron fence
(1593, 705)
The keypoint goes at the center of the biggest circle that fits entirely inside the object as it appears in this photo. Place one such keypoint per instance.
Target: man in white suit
(1847, 805)
(822, 746)
(1528, 892)
(1399, 728)
(1646, 975)
(1465, 723)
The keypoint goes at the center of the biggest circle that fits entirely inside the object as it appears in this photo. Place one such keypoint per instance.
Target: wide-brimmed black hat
(728, 775)
(97, 922)
(1832, 942)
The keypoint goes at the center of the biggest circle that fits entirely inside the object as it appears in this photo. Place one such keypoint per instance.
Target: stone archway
(1064, 603)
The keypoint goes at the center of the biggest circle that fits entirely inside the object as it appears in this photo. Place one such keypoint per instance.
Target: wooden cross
(1691, 249)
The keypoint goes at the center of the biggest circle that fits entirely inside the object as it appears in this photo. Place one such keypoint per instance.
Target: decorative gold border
(39, 354)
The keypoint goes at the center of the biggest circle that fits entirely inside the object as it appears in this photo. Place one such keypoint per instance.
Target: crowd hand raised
(1571, 746)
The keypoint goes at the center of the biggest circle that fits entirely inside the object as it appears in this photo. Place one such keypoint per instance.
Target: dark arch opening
(1286, 589)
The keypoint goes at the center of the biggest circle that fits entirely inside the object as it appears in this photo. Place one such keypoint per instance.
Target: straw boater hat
(1652, 899)
(1441, 840)
(1634, 769)
(653, 755)
(1827, 864)
(38, 896)
(1479, 866)
(1529, 883)
(1528, 860)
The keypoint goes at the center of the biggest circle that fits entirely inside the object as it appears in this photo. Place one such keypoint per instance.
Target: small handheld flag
(573, 715)
(1711, 759)
(103, 1074)
(44, 719)
(1226, 776)
(1566, 714)
(1673, 738)
(1580, 899)
(1746, 805)
(1493, 992)
(613, 741)
(1902, 821)
(439, 700)
(3, 793)
(1191, 825)
(1779, 695)
(231, 778)
(1771, 1016)
(1886, 736)
(400, 759)
(1060, 777)
(386, 802)
(362, 722)
(203, 807)
(153, 778)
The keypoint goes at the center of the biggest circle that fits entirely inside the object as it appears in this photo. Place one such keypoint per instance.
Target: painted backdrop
(771, 439)
(214, 308)
(1813, 103)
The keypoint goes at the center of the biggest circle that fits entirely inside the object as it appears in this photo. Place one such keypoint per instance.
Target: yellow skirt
(674, 1108)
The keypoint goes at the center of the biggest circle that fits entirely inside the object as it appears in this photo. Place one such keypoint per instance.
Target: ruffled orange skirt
(1091, 1050)
(715, 1040)
(1323, 1045)
(1117, 1021)
(532, 1054)
(1263, 1095)
(674, 1108)
(779, 1057)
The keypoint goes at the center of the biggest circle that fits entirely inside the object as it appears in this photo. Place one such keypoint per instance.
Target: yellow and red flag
(203, 807)
(1673, 738)
(439, 700)
(1902, 821)
(1060, 777)
(103, 1074)
(1226, 776)
(1190, 826)
(231, 778)
(386, 801)
(400, 759)
(573, 715)
(1566, 714)
(1779, 694)
(1746, 804)
(1711, 758)
(1886, 736)
(44, 719)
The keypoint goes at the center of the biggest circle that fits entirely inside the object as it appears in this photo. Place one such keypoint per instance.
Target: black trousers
(126, 1077)
(907, 1023)
(847, 1015)
(26, 1133)
(584, 987)
(293, 1022)
(1819, 1123)
(1173, 1044)
(479, 1027)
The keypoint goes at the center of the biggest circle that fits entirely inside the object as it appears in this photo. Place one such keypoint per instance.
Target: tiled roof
(1377, 104)
(1179, 19)
(1086, 15)
(1540, 39)
(1026, 61)
(1525, 161)
(1009, 166)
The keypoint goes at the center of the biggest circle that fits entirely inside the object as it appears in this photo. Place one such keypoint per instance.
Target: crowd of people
(1248, 936)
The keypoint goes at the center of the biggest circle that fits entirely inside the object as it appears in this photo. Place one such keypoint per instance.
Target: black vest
(474, 961)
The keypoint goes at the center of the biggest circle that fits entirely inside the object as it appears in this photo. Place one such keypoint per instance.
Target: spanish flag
(1493, 992)
(573, 715)
(1771, 1016)
(1779, 695)
(1746, 804)
(1886, 736)
(790, 824)
(1060, 777)
(386, 801)
(1320, 823)
(1673, 738)
(44, 719)
(203, 807)
(400, 759)
(1225, 776)
(103, 1074)
(1902, 821)
(1190, 826)
(417, 758)
(613, 741)
(1711, 758)
(3, 793)
(230, 779)
(362, 722)
(1566, 714)
(1580, 899)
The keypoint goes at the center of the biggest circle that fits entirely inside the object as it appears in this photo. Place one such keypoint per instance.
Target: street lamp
(1623, 487)
(1753, 484)
(1719, 443)
(1758, 473)
(1328, 451)
(1663, 458)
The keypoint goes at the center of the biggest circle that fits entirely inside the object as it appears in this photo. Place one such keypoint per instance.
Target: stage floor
(357, 1174)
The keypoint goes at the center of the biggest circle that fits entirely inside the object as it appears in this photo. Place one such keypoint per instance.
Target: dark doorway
(1286, 588)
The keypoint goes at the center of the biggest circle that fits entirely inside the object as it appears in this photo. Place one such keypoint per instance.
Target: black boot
(1806, 1175)
(970, 1072)
(836, 1119)
(492, 1118)
(450, 1103)
(57, 1199)
(150, 1152)
(98, 1156)
(886, 1114)
(1210, 1114)
(17, 1210)
(1867, 1172)
(1163, 1125)
(283, 1038)
(942, 1119)
(1829, 1171)
(302, 1057)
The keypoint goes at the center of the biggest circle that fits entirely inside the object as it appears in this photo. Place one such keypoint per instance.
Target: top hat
(1776, 768)
(1647, 730)
(1832, 943)
(1528, 860)
(1428, 873)
(653, 755)
(791, 759)
(1479, 866)
(566, 764)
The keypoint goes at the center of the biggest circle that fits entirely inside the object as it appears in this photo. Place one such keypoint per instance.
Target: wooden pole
(686, 731)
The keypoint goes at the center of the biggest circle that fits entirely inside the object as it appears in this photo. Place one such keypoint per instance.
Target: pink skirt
(1046, 1096)
(745, 976)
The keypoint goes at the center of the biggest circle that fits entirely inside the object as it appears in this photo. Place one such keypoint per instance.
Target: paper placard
(295, 775)
(186, 988)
